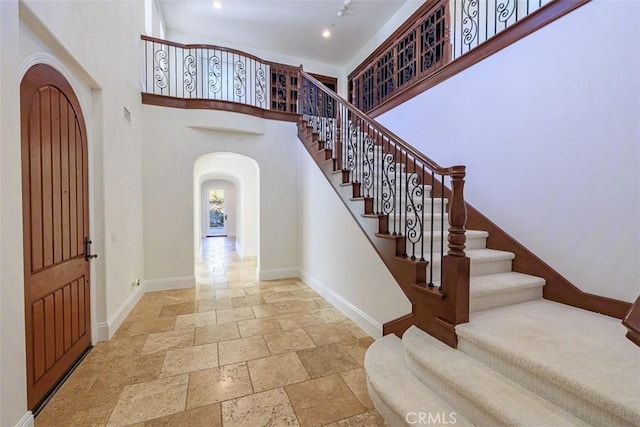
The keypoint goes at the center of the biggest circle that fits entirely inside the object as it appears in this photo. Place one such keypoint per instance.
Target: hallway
(231, 352)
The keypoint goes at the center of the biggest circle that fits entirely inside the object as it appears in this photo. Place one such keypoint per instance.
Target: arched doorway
(243, 175)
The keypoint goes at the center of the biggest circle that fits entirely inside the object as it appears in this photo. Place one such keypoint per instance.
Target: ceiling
(289, 27)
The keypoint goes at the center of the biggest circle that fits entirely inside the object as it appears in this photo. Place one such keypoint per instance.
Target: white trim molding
(26, 420)
(359, 317)
(278, 273)
(108, 328)
(169, 283)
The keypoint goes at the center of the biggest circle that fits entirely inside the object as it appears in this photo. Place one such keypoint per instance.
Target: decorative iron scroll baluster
(389, 184)
(215, 75)
(161, 69)
(239, 78)
(505, 9)
(415, 215)
(189, 73)
(352, 151)
(260, 85)
(470, 21)
(368, 161)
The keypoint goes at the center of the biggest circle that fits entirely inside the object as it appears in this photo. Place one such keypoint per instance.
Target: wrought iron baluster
(433, 181)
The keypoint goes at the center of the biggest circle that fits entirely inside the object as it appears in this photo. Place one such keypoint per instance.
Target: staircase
(521, 359)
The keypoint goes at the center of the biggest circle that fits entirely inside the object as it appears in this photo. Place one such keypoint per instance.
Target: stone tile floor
(231, 352)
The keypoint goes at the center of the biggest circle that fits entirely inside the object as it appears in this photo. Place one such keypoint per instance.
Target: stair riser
(477, 269)
(472, 243)
(502, 299)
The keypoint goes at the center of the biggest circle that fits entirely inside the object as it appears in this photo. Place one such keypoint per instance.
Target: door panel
(55, 212)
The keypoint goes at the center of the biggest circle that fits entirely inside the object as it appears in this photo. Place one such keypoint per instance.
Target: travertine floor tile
(145, 327)
(368, 419)
(242, 349)
(205, 416)
(356, 380)
(276, 371)
(270, 408)
(234, 314)
(296, 320)
(144, 312)
(153, 399)
(229, 293)
(329, 333)
(219, 384)
(217, 333)
(214, 304)
(260, 326)
(326, 315)
(190, 359)
(247, 301)
(358, 349)
(326, 360)
(323, 400)
(266, 310)
(168, 340)
(89, 408)
(181, 308)
(284, 342)
(189, 321)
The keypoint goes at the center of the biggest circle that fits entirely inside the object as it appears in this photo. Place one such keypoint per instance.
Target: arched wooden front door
(55, 209)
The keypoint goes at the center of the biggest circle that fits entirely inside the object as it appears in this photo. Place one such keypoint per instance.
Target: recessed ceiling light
(217, 5)
(326, 34)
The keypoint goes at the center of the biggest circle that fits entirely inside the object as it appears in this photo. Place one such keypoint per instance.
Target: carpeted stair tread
(482, 395)
(582, 354)
(395, 391)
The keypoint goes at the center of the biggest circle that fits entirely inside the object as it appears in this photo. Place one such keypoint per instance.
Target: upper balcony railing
(442, 38)
(212, 76)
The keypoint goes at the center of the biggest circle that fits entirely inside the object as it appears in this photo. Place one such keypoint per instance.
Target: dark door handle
(87, 250)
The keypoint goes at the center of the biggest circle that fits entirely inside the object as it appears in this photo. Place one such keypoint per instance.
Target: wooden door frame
(28, 87)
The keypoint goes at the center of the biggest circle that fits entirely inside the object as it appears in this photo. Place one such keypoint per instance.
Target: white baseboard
(26, 420)
(359, 317)
(278, 273)
(108, 328)
(168, 284)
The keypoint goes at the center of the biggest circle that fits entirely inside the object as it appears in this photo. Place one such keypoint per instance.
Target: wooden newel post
(455, 273)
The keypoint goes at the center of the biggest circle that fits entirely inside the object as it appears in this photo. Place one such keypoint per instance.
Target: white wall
(549, 131)
(338, 260)
(173, 140)
(229, 205)
(65, 35)
(13, 403)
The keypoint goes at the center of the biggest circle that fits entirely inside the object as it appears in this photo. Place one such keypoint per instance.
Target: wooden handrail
(435, 167)
(209, 46)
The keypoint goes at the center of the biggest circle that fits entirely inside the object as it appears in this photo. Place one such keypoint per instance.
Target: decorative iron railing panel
(218, 74)
(443, 31)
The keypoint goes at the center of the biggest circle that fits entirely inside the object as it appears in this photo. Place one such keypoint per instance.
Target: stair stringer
(429, 306)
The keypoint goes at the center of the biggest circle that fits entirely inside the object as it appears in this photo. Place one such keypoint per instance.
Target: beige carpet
(578, 359)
